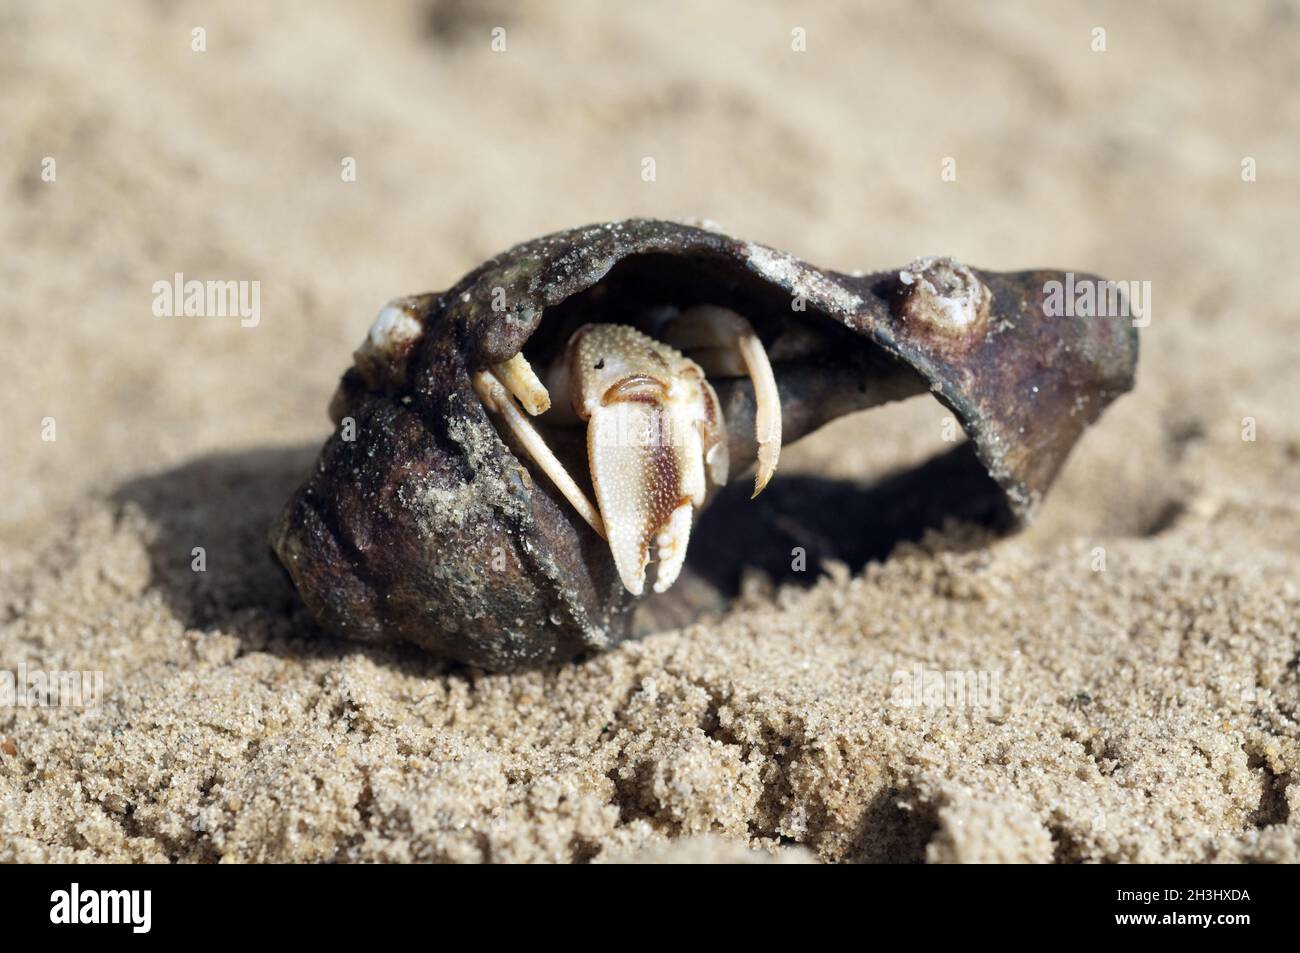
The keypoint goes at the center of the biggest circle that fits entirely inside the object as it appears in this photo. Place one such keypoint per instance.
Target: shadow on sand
(225, 503)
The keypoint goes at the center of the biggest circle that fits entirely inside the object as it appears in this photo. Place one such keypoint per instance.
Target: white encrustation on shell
(802, 281)
(943, 293)
(383, 354)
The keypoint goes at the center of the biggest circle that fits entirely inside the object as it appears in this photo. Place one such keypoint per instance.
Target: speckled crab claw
(656, 440)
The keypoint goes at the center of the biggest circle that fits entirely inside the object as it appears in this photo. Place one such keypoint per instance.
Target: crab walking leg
(497, 397)
(720, 361)
(519, 378)
(710, 328)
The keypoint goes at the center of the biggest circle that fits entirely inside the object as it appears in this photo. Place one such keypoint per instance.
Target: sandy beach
(1134, 656)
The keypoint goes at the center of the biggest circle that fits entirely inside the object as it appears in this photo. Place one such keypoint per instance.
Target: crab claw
(648, 471)
(654, 442)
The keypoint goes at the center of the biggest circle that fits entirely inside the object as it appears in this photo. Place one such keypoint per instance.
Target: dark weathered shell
(426, 528)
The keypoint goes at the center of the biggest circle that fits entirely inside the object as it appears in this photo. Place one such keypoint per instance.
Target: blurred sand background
(1147, 712)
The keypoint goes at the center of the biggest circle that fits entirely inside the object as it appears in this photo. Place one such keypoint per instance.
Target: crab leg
(712, 335)
(497, 396)
(521, 380)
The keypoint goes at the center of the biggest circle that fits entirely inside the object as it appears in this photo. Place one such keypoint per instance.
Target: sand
(1138, 645)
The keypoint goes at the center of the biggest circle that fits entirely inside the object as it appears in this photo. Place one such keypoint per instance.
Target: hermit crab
(519, 462)
(656, 440)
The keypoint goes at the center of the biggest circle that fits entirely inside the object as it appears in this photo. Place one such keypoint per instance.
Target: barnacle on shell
(439, 514)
